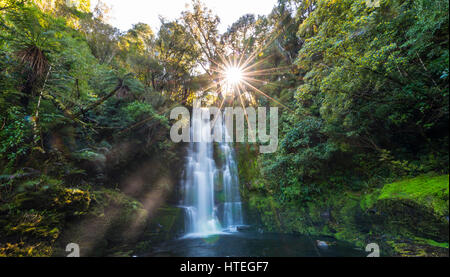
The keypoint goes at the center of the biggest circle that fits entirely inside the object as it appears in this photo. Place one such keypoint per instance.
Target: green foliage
(138, 110)
(371, 78)
(15, 138)
(372, 105)
(268, 211)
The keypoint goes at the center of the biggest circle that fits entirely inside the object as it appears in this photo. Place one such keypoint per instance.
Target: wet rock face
(167, 223)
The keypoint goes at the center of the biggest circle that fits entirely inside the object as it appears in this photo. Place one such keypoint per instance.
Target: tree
(202, 26)
(240, 37)
(102, 38)
(178, 55)
(138, 54)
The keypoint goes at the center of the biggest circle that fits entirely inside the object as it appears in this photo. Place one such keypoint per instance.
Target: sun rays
(235, 79)
(238, 78)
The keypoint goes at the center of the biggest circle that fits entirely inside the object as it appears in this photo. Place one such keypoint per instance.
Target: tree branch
(100, 101)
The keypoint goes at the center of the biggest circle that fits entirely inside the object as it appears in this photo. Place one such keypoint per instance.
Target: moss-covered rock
(428, 190)
(414, 207)
(409, 217)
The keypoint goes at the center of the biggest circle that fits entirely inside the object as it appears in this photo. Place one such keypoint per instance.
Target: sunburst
(239, 77)
(233, 75)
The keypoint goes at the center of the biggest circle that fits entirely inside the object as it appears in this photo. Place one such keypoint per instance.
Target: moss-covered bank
(406, 218)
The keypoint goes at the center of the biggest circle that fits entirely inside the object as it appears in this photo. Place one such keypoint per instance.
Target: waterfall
(232, 206)
(204, 181)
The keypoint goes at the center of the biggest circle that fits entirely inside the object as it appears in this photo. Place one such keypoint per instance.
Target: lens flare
(233, 76)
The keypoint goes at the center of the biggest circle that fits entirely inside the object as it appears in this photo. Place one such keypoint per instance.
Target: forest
(363, 103)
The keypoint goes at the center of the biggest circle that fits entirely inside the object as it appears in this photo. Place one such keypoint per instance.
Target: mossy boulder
(30, 233)
(417, 206)
(427, 190)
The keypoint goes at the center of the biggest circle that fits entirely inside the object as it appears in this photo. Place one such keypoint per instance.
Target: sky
(125, 13)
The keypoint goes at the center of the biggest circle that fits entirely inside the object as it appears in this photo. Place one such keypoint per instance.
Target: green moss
(368, 200)
(418, 248)
(220, 197)
(267, 209)
(120, 211)
(248, 166)
(432, 242)
(407, 250)
(430, 191)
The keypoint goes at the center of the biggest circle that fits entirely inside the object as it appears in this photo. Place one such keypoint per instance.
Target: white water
(202, 181)
(232, 206)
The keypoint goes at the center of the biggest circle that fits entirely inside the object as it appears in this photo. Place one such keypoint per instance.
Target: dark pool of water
(245, 244)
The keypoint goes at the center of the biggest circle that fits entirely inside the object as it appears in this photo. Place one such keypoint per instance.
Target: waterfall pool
(253, 244)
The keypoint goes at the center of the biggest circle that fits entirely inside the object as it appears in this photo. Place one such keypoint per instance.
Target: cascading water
(202, 179)
(232, 206)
